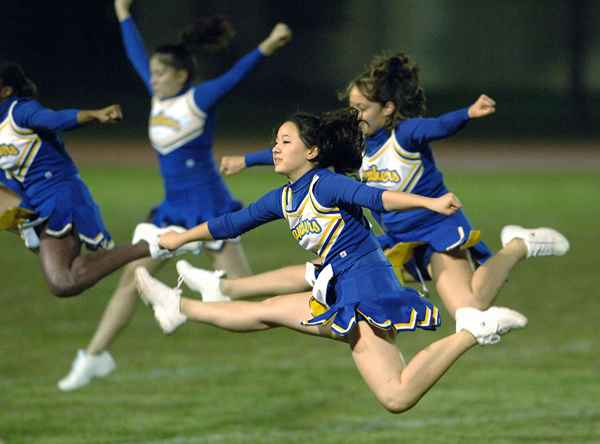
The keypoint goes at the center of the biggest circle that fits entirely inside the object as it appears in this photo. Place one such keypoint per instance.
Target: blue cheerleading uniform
(402, 160)
(33, 156)
(324, 212)
(181, 131)
(11, 184)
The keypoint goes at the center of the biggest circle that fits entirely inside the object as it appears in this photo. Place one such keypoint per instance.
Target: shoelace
(541, 248)
(179, 282)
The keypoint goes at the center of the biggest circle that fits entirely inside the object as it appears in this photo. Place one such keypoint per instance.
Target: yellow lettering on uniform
(163, 120)
(375, 175)
(8, 150)
(305, 227)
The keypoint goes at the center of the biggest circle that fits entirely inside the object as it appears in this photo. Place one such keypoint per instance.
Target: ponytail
(206, 35)
(392, 79)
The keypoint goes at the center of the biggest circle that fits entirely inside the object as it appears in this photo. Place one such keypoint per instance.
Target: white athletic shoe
(487, 326)
(86, 367)
(207, 283)
(150, 233)
(539, 241)
(164, 300)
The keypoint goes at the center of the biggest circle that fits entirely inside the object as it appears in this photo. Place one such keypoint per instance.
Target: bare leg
(281, 281)
(232, 259)
(121, 306)
(458, 286)
(398, 386)
(245, 316)
(69, 273)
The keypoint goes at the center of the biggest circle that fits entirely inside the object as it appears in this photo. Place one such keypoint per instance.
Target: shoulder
(405, 127)
(23, 110)
(27, 106)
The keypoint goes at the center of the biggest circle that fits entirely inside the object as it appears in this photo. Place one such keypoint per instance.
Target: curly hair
(207, 34)
(338, 136)
(391, 78)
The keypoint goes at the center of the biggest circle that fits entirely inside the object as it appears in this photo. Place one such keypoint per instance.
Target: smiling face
(374, 115)
(291, 156)
(165, 79)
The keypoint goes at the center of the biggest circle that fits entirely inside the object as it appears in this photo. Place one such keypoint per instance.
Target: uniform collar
(304, 180)
(376, 140)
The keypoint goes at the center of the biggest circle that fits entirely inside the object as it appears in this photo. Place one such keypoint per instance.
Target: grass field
(203, 385)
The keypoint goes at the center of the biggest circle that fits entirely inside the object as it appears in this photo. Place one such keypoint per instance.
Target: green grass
(203, 385)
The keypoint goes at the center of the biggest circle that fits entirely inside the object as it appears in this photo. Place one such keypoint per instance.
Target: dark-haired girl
(42, 177)
(357, 298)
(398, 157)
(182, 122)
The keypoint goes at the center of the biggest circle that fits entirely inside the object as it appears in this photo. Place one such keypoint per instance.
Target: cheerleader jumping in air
(181, 129)
(356, 298)
(57, 214)
(398, 157)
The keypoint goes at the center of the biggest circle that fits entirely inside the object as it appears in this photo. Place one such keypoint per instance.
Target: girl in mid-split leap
(357, 298)
(398, 157)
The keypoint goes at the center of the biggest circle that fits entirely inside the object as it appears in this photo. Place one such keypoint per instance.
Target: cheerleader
(357, 298)
(181, 130)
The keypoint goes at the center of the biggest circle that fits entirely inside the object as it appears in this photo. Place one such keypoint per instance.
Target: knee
(398, 403)
(63, 285)
(63, 288)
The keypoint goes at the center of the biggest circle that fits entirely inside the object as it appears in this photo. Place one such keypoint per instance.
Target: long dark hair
(207, 34)
(11, 74)
(391, 78)
(338, 136)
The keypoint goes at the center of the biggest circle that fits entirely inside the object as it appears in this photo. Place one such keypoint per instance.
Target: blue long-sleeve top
(340, 231)
(43, 158)
(189, 164)
(413, 156)
(413, 136)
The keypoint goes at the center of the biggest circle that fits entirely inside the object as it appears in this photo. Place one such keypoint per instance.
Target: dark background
(539, 59)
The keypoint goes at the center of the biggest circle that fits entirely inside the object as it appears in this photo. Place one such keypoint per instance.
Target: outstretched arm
(132, 40)
(209, 92)
(398, 201)
(32, 114)
(338, 189)
(424, 130)
(230, 225)
(231, 165)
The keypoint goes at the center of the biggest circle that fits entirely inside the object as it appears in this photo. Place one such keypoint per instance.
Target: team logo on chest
(373, 174)
(392, 167)
(315, 227)
(161, 119)
(8, 150)
(306, 227)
